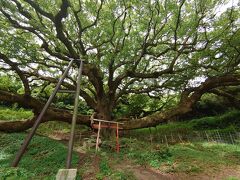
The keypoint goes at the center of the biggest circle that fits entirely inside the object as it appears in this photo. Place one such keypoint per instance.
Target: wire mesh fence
(194, 136)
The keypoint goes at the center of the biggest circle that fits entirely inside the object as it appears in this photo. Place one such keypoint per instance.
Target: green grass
(107, 161)
(188, 157)
(50, 127)
(199, 156)
(101, 165)
(12, 114)
(45, 156)
(232, 178)
(229, 121)
(226, 120)
(41, 161)
(123, 175)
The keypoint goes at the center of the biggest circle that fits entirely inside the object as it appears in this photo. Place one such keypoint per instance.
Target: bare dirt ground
(145, 173)
(142, 173)
(221, 174)
(90, 174)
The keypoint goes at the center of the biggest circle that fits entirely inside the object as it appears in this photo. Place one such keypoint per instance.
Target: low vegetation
(230, 121)
(169, 70)
(43, 158)
(14, 113)
(184, 157)
(46, 156)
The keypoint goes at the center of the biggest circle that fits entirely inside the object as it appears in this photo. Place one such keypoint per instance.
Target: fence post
(231, 138)
(179, 136)
(156, 130)
(214, 137)
(150, 134)
(219, 137)
(166, 140)
(187, 138)
(172, 139)
(207, 136)
(199, 136)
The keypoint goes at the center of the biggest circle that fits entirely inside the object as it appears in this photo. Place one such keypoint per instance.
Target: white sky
(224, 7)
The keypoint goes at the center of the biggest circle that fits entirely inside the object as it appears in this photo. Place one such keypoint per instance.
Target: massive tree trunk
(104, 109)
(188, 99)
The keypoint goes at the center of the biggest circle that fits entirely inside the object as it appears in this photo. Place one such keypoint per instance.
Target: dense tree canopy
(157, 48)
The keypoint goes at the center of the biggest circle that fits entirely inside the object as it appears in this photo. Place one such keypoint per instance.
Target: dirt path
(142, 173)
(222, 173)
(90, 173)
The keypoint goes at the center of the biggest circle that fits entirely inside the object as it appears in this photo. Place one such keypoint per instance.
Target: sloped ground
(136, 160)
(143, 160)
(41, 161)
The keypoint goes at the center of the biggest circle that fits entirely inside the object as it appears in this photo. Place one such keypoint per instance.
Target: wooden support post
(97, 142)
(27, 140)
(74, 118)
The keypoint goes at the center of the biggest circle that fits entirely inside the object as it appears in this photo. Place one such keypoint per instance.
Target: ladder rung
(66, 91)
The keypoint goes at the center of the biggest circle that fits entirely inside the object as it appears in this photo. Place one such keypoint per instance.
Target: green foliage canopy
(157, 48)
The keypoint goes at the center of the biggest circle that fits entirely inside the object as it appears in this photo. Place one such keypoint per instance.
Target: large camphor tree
(158, 48)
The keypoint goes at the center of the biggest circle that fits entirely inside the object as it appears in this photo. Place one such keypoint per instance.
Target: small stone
(66, 174)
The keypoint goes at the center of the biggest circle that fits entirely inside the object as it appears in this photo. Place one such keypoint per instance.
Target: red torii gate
(100, 123)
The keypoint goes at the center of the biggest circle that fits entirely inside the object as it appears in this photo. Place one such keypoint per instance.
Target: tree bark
(188, 98)
(16, 126)
(53, 114)
(22, 125)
